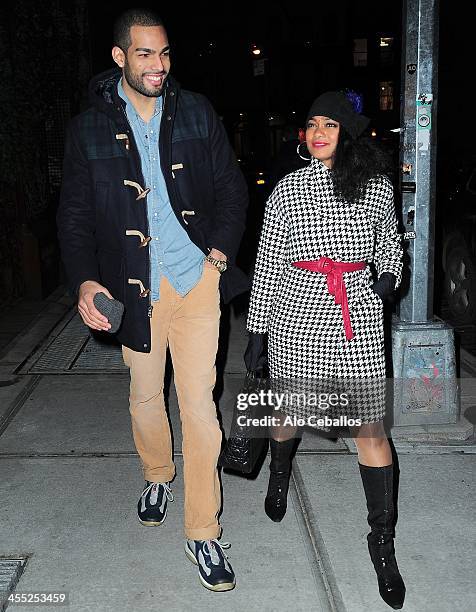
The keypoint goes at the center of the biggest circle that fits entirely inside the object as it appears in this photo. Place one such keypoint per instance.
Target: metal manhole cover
(97, 356)
(73, 350)
(10, 572)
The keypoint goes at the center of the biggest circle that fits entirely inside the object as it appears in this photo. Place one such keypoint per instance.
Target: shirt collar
(318, 165)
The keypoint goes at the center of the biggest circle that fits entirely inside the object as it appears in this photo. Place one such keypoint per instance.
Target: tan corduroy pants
(189, 326)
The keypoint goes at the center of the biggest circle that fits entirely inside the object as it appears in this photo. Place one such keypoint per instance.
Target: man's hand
(89, 313)
(215, 253)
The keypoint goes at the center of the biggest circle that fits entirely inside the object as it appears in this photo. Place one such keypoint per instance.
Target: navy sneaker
(152, 506)
(214, 571)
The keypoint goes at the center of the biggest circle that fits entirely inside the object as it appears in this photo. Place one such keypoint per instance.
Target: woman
(314, 303)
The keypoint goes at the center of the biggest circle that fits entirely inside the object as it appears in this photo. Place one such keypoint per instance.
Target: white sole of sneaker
(217, 588)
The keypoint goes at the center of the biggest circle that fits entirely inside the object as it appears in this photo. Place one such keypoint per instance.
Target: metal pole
(425, 391)
(418, 152)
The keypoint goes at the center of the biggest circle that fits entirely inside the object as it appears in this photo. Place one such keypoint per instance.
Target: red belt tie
(335, 282)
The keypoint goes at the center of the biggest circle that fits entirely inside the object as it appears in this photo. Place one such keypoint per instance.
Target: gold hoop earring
(299, 152)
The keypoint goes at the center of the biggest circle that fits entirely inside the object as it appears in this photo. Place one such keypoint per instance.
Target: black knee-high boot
(378, 487)
(276, 500)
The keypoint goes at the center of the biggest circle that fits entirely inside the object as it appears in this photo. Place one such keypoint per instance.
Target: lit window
(386, 48)
(386, 95)
(360, 52)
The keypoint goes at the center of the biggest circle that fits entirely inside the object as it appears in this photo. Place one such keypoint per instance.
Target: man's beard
(135, 81)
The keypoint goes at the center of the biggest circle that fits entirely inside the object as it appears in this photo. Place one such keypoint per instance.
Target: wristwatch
(219, 264)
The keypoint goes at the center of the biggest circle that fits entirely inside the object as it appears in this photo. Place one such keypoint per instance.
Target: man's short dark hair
(132, 17)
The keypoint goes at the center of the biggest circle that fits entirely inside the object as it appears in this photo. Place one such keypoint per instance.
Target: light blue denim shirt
(172, 253)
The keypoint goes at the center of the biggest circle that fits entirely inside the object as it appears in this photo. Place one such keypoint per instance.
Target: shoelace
(211, 549)
(154, 487)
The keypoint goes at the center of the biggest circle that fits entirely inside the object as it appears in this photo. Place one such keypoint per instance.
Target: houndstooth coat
(304, 220)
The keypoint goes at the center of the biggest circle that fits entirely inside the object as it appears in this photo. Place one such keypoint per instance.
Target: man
(152, 213)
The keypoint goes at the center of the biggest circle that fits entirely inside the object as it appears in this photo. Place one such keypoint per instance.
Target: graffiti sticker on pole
(423, 120)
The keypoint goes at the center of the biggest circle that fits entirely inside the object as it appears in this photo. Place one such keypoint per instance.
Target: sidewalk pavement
(70, 479)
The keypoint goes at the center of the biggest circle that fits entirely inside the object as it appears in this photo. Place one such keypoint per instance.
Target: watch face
(222, 266)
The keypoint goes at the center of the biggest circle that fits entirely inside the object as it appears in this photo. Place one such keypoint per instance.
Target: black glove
(256, 354)
(385, 285)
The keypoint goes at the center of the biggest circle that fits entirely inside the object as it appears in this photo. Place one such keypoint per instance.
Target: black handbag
(246, 442)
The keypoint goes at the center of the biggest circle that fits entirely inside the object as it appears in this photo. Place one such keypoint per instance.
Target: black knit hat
(336, 105)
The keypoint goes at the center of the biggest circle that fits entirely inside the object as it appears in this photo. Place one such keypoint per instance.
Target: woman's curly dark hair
(355, 163)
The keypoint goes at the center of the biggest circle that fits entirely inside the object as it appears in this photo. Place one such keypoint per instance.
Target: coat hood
(103, 87)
